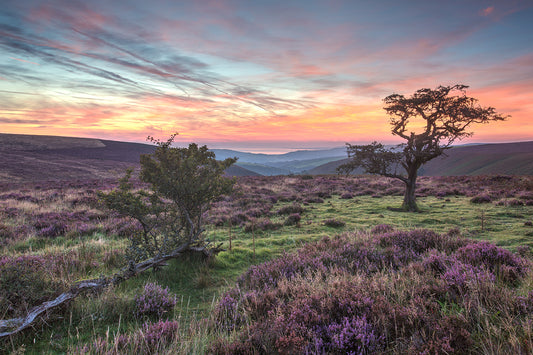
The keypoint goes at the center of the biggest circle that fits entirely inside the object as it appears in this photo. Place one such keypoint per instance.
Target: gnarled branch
(15, 325)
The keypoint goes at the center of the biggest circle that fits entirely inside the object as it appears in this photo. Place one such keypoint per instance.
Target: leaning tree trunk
(409, 200)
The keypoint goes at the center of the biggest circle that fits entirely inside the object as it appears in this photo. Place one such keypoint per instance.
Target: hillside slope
(27, 158)
(483, 159)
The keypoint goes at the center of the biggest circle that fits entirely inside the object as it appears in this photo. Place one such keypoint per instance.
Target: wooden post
(229, 224)
(482, 220)
(253, 237)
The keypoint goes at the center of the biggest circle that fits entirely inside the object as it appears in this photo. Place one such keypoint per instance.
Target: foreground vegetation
(52, 236)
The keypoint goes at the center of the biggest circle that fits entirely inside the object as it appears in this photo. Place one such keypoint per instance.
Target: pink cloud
(75, 14)
(487, 11)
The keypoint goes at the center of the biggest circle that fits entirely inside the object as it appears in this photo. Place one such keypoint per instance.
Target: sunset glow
(250, 74)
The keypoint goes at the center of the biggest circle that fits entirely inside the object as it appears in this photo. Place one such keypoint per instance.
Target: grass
(197, 283)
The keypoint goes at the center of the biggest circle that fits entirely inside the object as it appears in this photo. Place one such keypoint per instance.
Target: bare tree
(446, 113)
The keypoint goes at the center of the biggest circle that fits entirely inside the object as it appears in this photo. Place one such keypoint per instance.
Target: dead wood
(15, 325)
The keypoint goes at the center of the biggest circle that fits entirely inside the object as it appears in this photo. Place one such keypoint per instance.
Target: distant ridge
(476, 159)
(41, 158)
(32, 158)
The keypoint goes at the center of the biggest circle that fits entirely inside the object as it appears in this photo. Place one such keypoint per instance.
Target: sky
(257, 75)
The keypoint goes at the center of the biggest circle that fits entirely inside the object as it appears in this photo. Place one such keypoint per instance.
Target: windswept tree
(183, 182)
(441, 117)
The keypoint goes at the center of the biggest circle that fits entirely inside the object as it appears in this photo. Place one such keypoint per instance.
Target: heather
(439, 274)
(397, 292)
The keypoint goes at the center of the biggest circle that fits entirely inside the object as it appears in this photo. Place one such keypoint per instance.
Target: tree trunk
(409, 201)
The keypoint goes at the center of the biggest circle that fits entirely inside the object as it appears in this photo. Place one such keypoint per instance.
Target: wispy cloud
(262, 70)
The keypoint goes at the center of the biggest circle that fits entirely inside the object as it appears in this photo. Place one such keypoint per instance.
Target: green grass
(198, 283)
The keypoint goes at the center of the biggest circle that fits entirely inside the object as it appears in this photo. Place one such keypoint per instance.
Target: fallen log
(15, 325)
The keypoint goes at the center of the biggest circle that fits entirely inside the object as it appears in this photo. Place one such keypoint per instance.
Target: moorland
(312, 264)
(40, 158)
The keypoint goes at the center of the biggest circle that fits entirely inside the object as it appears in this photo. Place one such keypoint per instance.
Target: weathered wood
(15, 325)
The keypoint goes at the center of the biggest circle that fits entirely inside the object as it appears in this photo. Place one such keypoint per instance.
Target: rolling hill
(27, 158)
(479, 159)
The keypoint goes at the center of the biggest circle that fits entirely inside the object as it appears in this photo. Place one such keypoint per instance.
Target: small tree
(183, 182)
(446, 113)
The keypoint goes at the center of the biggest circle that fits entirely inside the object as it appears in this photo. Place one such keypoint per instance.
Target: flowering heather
(124, 227)
(154, 301)
(226, 312)
(515, 202)
(506, 265)
(381, 228)
(419, 240)
(160, 332)
(53, 224)
(355, 335)
(396, 292)
(19, 197)
(25, 281)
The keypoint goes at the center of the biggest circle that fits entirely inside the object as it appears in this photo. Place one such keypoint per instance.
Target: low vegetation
(396, 292)
(384, 281)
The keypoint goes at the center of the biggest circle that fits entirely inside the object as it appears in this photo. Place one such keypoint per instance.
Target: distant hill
(282, 164)
(270, 159)
(40, 158)
(478, 159)
(236, 170)
(501, 158)
(265, 170)
(47, 158)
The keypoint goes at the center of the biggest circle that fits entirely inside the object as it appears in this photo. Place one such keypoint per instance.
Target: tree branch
(15, 325)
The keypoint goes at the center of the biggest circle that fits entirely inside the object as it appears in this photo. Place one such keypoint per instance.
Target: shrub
(335, 223)
(515, 202)
(294, 208)
(154, 301)
(183, 182)
(347, 196)
(313, 200)
(151, 338)
(481, 199)
(292, 219)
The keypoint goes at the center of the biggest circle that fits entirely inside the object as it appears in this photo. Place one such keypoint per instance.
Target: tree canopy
(183, 182)
(446, 114)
